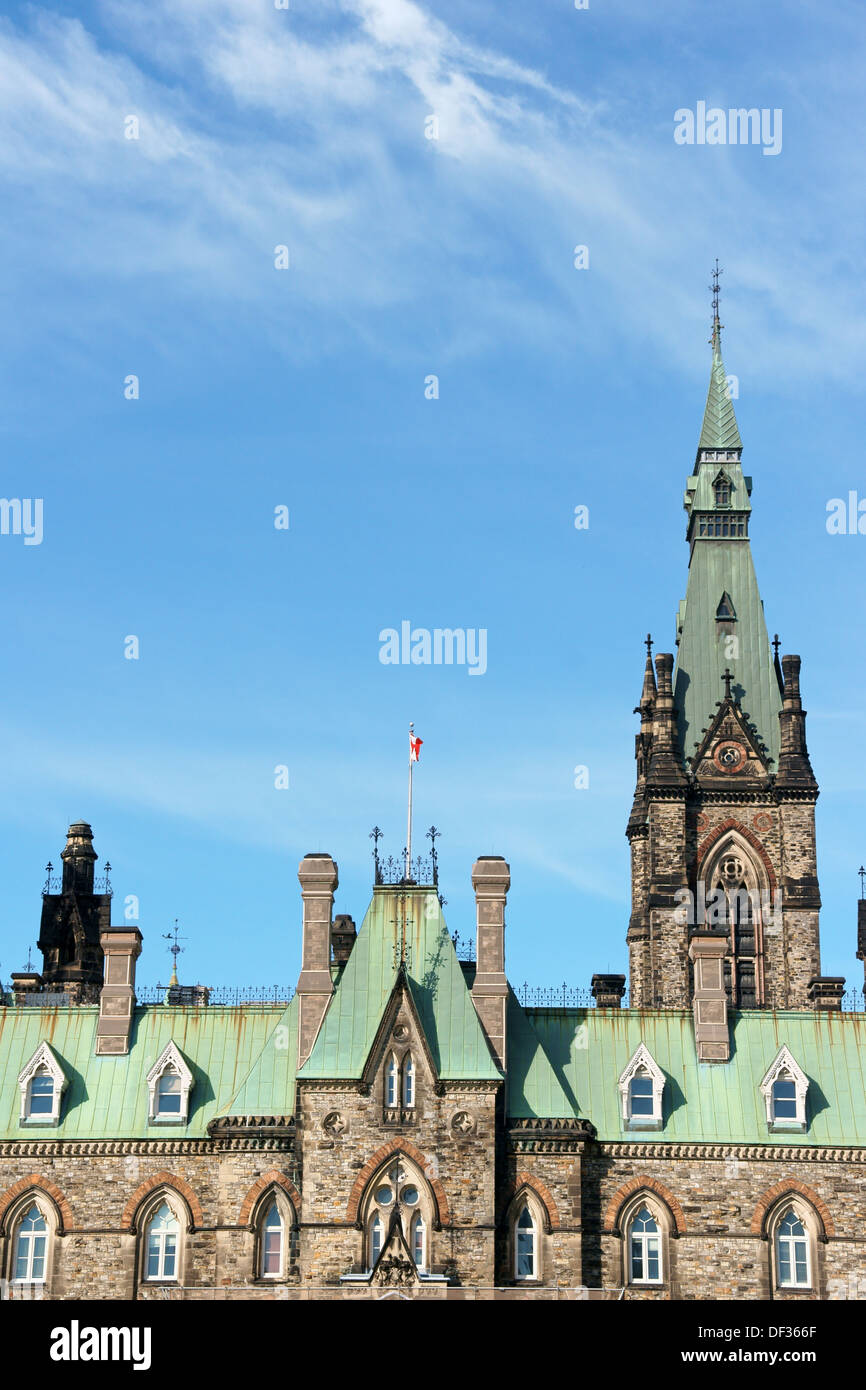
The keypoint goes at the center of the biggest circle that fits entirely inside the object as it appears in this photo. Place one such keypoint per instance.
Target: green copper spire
(719, 430)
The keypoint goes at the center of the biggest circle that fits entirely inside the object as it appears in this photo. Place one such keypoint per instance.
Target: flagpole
(409, 822)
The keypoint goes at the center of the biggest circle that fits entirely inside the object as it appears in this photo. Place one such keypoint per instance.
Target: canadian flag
(415, 748)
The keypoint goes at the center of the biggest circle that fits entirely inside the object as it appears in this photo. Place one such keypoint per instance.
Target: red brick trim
(778, 1190)
(33, 1180)
(646, 1184)
(395, 1146)
(542, 1192)
(731, 824)
(272, 1178)
(162, 1179)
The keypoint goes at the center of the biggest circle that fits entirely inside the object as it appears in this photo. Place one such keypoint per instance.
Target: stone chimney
(343, 936)
(25, 982)
(121, 947)
(825, 992)
(707, 951)
(607, 991)
(319, 879)
(794, 769)
(491, 879)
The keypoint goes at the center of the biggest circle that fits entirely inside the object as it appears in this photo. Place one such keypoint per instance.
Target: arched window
(641, 1095)
(377, 1237)
(408, 1082)
(399, 1186)
(31, 1247)
(792, 1252)
(272, 1242)
(644, 1247)
(525, 1245)
(392, 1081)
(168, 1093)
(419, 1241)
(785, 1098)
(41, 1098)
(736, 887)
(161, 1235)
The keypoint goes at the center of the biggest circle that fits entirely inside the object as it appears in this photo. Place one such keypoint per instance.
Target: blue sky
(305, 387)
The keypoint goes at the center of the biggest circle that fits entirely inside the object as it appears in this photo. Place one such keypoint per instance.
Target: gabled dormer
(42, 1083)
(641, 1091)
(784, 1088)
(169, 1083)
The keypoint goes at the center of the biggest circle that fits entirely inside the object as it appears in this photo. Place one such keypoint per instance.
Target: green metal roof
(703, 1101)
(534, 1087)
(236, 1055)
(444, 1003)
(719, 430)
(719, 567)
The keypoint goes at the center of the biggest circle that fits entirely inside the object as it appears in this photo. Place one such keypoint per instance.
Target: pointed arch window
(644, 1247)
(392, 1083)
(162, 1236)
(726, 611)
(792, 1233)
(272, 1242)
(408, 1082)
(722, 489)
(31, 1247)
(525, 1244)
(419, 1241)
(736, 889)
(377, 1237)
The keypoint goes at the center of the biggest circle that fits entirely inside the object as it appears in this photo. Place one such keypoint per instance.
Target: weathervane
(173, 936)
(862, 872)
(716, 272)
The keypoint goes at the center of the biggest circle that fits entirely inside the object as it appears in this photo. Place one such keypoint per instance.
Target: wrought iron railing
(556, 997)
(221, 996)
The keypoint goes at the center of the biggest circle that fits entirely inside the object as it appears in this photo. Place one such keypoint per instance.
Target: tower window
(408, 1081)
(725, 611)
(392, 1077)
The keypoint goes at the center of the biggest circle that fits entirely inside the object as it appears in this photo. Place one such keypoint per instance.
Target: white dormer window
(641, 1088)
(42, 1083)
(169, 1083)
(784, 1090)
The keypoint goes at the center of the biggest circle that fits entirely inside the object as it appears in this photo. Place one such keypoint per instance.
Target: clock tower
(722, 828)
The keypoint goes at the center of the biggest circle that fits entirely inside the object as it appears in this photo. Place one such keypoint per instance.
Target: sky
(167, 383)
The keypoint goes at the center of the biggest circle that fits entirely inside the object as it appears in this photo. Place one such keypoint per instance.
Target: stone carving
(401, 1032)
(462, 1122)
(333, 1123)
(394, 1270)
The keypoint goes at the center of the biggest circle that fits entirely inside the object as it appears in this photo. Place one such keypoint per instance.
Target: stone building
(404, 1125)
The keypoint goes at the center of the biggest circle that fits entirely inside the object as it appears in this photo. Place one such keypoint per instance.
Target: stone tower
(722, 827)
(72, 921)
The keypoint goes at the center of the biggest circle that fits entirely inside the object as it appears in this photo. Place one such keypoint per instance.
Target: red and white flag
(415, 748)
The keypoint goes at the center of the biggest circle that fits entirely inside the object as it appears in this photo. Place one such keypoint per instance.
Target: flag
(414, 748)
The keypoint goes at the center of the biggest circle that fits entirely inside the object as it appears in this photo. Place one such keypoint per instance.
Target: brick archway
(789, 1186)
(162, 1179)
(273, 1178)
(542, 1192)
(395, 1146)
(38, 1184)
(748, 835)
(642, 1184)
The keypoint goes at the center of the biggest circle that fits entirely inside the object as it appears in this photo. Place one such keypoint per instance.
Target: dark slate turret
(72, 921)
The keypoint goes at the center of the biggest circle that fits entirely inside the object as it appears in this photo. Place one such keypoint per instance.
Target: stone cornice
(539, 1136)
(750, 1153)
(115, 1148)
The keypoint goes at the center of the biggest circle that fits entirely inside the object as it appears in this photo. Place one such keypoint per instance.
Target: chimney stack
(319, 879)
(707, 951)
(491, 879)
(607, 991)
(121, 947)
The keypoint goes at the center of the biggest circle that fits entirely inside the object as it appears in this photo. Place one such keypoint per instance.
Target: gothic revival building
(405, 1124)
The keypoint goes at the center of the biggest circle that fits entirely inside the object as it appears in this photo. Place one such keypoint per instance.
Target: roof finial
(648, 643)
(716, 272)
(727, 678)
(861, 871)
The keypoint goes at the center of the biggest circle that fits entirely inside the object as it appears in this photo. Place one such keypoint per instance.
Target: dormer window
(784, 1089)
(726, 611)
(641, 1089)
(722, 490)
(169, 1083)
(42, 1083)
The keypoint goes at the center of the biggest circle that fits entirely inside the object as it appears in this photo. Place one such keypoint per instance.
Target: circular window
(730, 757)
(384, 1196)
(409, 1196)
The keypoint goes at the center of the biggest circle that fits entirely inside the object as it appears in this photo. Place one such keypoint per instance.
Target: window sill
(163, 1120)
(39, 1122)
(787, 1127)
(643, 1122)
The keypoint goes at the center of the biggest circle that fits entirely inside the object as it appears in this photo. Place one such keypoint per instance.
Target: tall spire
(719, 430)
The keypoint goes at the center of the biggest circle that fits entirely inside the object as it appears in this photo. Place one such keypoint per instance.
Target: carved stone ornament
(401, 1032)
(394, 1271)
(462, 1122)
(762, 822)
(333, 1123)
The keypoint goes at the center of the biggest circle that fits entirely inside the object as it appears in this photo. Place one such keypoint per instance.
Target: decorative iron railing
(219, 996)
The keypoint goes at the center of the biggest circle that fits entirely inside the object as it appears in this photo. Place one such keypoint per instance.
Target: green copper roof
(534, 1086)
(237, 1057)
(718, 567)
(703, 1102)
(719, 430)
(454, 1035)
